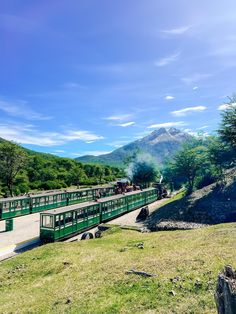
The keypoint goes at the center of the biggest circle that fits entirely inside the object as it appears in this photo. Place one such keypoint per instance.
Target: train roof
(113, 197)
(68, 208)
(18, 198)
(10, 199)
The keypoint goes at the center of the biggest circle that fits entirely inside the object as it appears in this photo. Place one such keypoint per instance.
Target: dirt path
(130, 218)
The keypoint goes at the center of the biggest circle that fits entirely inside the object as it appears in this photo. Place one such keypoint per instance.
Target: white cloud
(72, 135)
(28, 134)
(199, 134)
(167, 60)
(195, 78)
(120, 117)
(124, 125)
(169, 97)
(176, 31)
(185, 111)
(227, 106)
(21, 109)
(203, 127)
(167, 125)
(195, 87)
(119, 143)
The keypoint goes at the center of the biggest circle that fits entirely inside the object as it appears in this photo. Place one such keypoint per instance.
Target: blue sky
(85, 77)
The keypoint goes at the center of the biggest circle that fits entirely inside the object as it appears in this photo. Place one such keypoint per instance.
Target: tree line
(23, 170)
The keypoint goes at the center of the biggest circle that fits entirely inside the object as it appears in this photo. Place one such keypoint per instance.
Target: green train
(24, 205)
(67, 221)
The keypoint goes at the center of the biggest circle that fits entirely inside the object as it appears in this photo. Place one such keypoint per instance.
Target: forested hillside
(40, 171)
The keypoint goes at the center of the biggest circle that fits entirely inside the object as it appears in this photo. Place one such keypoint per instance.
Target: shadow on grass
(175, 210)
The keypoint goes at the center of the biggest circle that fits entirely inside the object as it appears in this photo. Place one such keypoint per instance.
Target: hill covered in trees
(23, 170)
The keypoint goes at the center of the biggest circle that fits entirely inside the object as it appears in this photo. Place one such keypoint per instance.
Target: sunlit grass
(90, 276)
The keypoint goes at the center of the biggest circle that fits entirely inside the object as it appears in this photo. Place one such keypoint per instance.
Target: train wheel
(87, 236)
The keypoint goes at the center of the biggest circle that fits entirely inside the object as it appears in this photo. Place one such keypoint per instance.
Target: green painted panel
(12, 214)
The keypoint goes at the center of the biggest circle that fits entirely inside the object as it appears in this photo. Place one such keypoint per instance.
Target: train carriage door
(74, 224)
(86, 213)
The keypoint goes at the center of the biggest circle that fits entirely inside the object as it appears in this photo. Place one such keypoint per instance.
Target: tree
(79, 176)
(220, 154)
(227, 129)
(13, 159)
(143, 171)
(189, 161)
(99, 173)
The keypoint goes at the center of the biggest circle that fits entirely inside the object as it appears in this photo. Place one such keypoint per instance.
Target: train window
(47, 221)
(95, 210)
(62, 221)
(68, 218)
(57, 222)
(80, 215)
(5, 207)
(90, 211)
(105, 207)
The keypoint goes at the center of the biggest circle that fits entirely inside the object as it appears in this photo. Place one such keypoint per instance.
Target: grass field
(90, 276)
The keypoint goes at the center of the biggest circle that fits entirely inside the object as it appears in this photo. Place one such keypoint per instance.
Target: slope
(90, 276)
(215, 203)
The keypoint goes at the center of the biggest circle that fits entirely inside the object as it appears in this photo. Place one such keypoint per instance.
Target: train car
(112, 206)
(85, 195)
(24, 205)
(14, 206)
(40, 202)
(65, 222)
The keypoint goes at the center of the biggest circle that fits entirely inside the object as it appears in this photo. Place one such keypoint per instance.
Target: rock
(175, 279)
(140, 245)
(172, 292)
(198, 284)
(143, 214)
(140, 273)
(145, 230)
(98, 234)
(225, 296)
(169, 225)
(68, 301)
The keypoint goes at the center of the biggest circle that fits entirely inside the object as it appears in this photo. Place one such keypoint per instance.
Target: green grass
(90, 276)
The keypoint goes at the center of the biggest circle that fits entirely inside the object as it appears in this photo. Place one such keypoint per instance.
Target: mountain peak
(159, 131)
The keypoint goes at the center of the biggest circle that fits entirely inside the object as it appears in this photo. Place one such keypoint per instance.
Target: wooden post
(225, 295)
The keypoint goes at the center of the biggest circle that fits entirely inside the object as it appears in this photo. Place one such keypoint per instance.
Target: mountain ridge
(160, 144)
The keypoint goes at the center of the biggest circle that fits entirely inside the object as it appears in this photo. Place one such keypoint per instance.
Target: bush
(51, 185)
